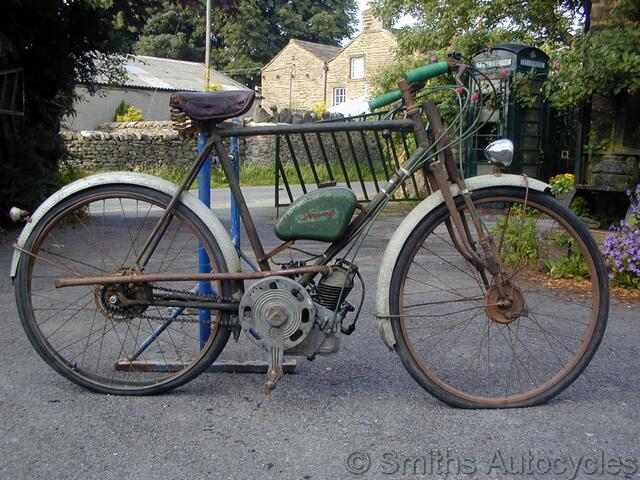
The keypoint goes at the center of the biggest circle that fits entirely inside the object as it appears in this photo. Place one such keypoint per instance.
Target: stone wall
(263, 149)
(129, 146)
(293, 79)
(617, 171)
(377, 47)
(139, 145)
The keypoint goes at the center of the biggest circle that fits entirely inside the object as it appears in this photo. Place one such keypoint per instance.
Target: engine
(334, 286)
(308, 321)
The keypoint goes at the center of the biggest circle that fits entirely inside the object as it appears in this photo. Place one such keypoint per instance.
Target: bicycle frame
(440, 170)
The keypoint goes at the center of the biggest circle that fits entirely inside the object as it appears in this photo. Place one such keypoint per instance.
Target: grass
(254, 174)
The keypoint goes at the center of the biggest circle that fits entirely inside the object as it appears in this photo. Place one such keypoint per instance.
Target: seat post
(245, 215)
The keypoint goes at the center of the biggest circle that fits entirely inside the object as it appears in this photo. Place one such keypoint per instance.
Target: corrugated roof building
(149, 83)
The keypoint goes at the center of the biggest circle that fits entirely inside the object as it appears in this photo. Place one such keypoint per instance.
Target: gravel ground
(356, 411)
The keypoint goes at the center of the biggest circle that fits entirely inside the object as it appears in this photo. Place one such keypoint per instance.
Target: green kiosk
(516, 111)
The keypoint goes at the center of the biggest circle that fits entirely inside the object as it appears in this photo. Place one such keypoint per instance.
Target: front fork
(439, 172)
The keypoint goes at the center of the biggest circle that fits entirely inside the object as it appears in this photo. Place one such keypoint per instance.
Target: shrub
(319, 109)
(121, 109)
(622, 247)
(518, 230)
(132, 114)
(214, 87)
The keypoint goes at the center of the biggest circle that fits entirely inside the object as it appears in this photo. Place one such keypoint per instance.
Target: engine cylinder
(338, 281)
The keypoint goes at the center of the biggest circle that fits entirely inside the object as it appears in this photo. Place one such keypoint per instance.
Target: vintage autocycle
(109, 286)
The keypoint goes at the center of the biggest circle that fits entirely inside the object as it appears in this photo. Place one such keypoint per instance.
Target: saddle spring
(183, 123)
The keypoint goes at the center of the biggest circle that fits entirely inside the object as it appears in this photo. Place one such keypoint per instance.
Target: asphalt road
(325, 422)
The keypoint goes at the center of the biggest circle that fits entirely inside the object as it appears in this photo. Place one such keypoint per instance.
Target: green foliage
(562, 183)
(173, 29)
(215, 87)
(468, 25)
(58, 43)
(246, 34)
(580, 207)
(121, 109)
(524, 88)
(65, 175)
(132, 114)
(572, 264)
(604, 61)
(517, 236)
(319, 109)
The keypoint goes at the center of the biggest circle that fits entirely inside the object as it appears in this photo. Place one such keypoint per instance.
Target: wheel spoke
(467, 338)
(93, 333)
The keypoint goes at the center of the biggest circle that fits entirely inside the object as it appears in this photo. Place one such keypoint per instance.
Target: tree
(246, 34)
(173, 29)
(58, 43)
(442, 21)
(467, 26)
(603, 61)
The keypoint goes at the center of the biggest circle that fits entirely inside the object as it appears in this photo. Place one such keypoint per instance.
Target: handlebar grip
(384, 100)
(425, 73)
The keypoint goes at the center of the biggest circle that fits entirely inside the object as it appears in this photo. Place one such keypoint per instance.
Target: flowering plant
(622, 248)
(561, 183)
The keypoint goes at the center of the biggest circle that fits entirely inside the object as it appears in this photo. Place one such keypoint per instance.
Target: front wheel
(472, 348)
(94, 342)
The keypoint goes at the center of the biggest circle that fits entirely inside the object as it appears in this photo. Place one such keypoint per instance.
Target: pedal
(275, 348)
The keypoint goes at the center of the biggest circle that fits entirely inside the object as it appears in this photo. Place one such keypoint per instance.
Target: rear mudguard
(130, 178)
(403, 231)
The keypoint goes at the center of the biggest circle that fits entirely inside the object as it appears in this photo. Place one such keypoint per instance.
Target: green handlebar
(425, 73)
(412, 76)
(384, 100)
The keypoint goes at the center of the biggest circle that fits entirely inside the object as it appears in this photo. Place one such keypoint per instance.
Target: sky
(362, 4)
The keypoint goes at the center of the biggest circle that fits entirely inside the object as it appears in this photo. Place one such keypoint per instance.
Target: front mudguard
(131, 178)
(399, 238)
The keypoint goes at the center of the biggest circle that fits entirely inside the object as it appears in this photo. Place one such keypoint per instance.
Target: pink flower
(459, 90)
(434, 58)
(475, 96)
(450, 47)
(503, 73)
(555, 64)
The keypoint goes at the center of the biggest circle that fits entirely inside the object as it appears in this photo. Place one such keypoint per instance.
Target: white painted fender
(131, 178)
(399, 238)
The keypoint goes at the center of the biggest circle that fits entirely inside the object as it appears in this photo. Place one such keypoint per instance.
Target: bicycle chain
(180, 318)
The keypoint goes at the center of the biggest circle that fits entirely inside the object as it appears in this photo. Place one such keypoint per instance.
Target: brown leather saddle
(213, 106)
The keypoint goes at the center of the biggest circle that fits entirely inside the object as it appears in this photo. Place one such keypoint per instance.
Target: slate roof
(171, 75)
(320, 50)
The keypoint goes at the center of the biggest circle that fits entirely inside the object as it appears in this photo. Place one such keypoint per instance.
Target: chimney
(369, 21)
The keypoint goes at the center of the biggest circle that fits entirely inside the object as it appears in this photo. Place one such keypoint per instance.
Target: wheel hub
(505, 309)
(121, 302)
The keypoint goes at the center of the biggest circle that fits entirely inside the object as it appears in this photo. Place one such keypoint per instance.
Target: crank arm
(275, 348)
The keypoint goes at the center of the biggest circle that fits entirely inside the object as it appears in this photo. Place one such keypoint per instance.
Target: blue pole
(235, 213)
(204, 264)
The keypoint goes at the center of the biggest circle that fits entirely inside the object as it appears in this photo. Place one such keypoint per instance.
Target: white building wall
(100, 108)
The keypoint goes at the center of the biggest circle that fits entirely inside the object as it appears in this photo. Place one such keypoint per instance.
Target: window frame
(335, 95)
(351, 62)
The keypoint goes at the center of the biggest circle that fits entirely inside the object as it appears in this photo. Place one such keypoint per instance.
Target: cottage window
(357, 67)
(339, 95)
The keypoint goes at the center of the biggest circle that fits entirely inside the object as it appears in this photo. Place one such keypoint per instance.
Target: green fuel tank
(322, 215)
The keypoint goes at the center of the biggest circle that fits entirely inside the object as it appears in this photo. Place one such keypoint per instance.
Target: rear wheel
(471, 346)
(84, 334)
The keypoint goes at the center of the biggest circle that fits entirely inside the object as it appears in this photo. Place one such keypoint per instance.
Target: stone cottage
(304, 74)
